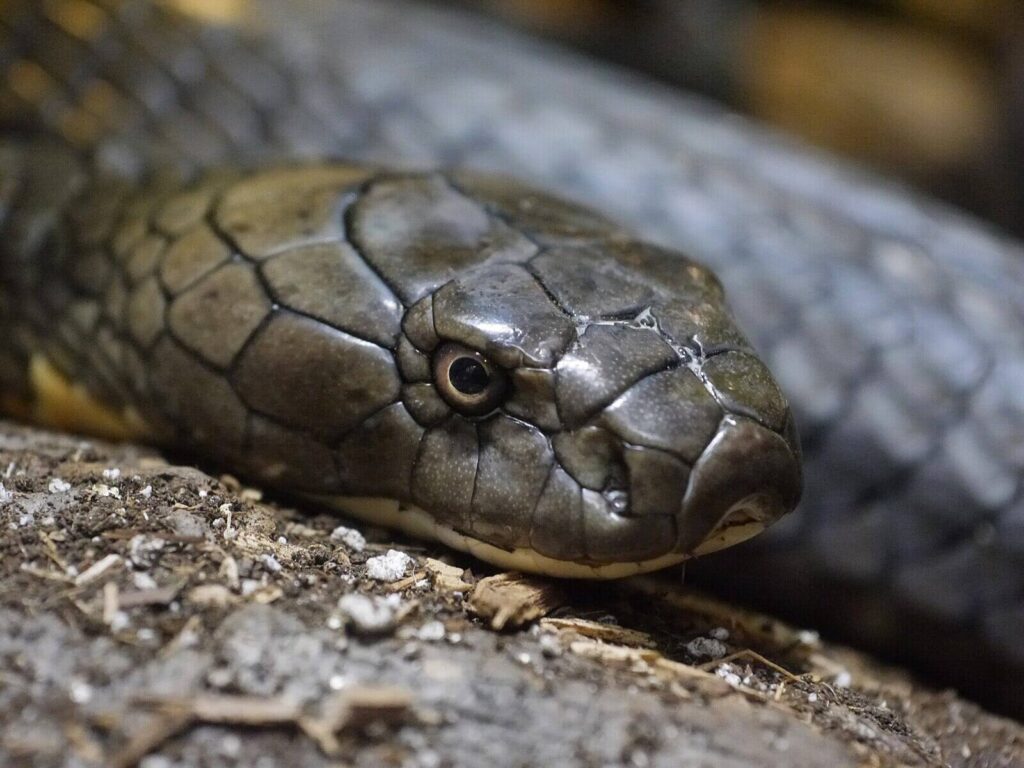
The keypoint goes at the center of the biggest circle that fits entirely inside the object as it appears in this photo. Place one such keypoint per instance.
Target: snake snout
(747, 478)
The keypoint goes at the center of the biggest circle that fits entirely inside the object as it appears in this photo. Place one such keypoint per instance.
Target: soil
(154, 615)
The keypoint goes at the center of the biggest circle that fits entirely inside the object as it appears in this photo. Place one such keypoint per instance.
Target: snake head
(588, 404)
(472, 360)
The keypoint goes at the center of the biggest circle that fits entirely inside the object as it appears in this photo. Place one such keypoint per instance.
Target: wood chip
(111, 602)
(157, 596)
(609, 633)
(408, 581)
(355, 707)
(447, 578)
(244, 710)
(613, 654)
(97, 569)
(212, 595)
(512, 599)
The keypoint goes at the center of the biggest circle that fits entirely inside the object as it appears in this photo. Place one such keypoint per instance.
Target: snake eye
(468, 381)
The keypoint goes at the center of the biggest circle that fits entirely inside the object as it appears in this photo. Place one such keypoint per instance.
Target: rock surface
(153, 615)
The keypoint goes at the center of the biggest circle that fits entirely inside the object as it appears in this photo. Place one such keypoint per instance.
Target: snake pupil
(469, 376)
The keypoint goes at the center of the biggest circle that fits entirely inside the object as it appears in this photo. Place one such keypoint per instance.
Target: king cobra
(285, 236)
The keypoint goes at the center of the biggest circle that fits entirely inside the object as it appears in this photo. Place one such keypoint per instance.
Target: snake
(400, 261)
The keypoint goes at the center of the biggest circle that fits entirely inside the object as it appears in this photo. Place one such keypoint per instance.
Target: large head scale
(467, 358)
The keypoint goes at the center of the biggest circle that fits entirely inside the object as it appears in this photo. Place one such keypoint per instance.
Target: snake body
(170, 257)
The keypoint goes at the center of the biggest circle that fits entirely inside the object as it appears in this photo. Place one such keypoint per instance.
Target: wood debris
(447, 578)
(97, 569)
(212, 596)
(156, 596)
(353, 708)
(609, 633)
(512, 599)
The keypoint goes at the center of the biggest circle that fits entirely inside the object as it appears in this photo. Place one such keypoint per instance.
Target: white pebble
(719, 633)
(431, 631)
(729, 676)
(5, 495)
(843, 680)
(146, 492)
(143, 580)
(812, 697)
(103, 490)
(111, 474)
(809, 637)
(271, 564)
(80, 691)
(388, 567)
(337, 682)
(706, 647)
(350, 537)
(145, 550)
(368, 613)
(58, 486)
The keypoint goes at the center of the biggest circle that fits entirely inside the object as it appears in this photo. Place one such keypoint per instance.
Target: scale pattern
(282, 321)
(895, 325)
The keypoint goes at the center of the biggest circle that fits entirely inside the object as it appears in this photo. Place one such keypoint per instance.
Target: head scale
(535, 381)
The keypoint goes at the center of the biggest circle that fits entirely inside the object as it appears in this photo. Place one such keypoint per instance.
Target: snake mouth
(747, 478)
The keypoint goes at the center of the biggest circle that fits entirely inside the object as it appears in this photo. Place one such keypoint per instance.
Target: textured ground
(153, 615)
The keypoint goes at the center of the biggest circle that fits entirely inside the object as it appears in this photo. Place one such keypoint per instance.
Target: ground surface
(152, 615)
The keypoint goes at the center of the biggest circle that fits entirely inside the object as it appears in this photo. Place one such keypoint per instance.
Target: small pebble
(706, 647)
(388, 567)
(550, 646)
(350, 537)
(146, 492)
(80, 691)
(729, 676)
(58, 486)
(370, 614)
(271, 563)
(145, 550)
(143, 580)
(431, 631)
(111, 474)
(809, 637)
(5, 495)
(337, 682)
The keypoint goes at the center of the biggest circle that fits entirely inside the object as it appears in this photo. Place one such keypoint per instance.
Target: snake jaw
(748, 477)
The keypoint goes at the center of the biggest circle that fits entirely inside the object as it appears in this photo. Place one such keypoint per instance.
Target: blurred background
(931, 91)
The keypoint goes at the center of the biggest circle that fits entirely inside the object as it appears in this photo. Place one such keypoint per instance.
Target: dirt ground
(153, 615)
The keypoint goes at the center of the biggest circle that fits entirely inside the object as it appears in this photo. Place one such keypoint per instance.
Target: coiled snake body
(468, 358)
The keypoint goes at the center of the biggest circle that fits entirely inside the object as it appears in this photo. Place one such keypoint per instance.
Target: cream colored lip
(417, 523)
